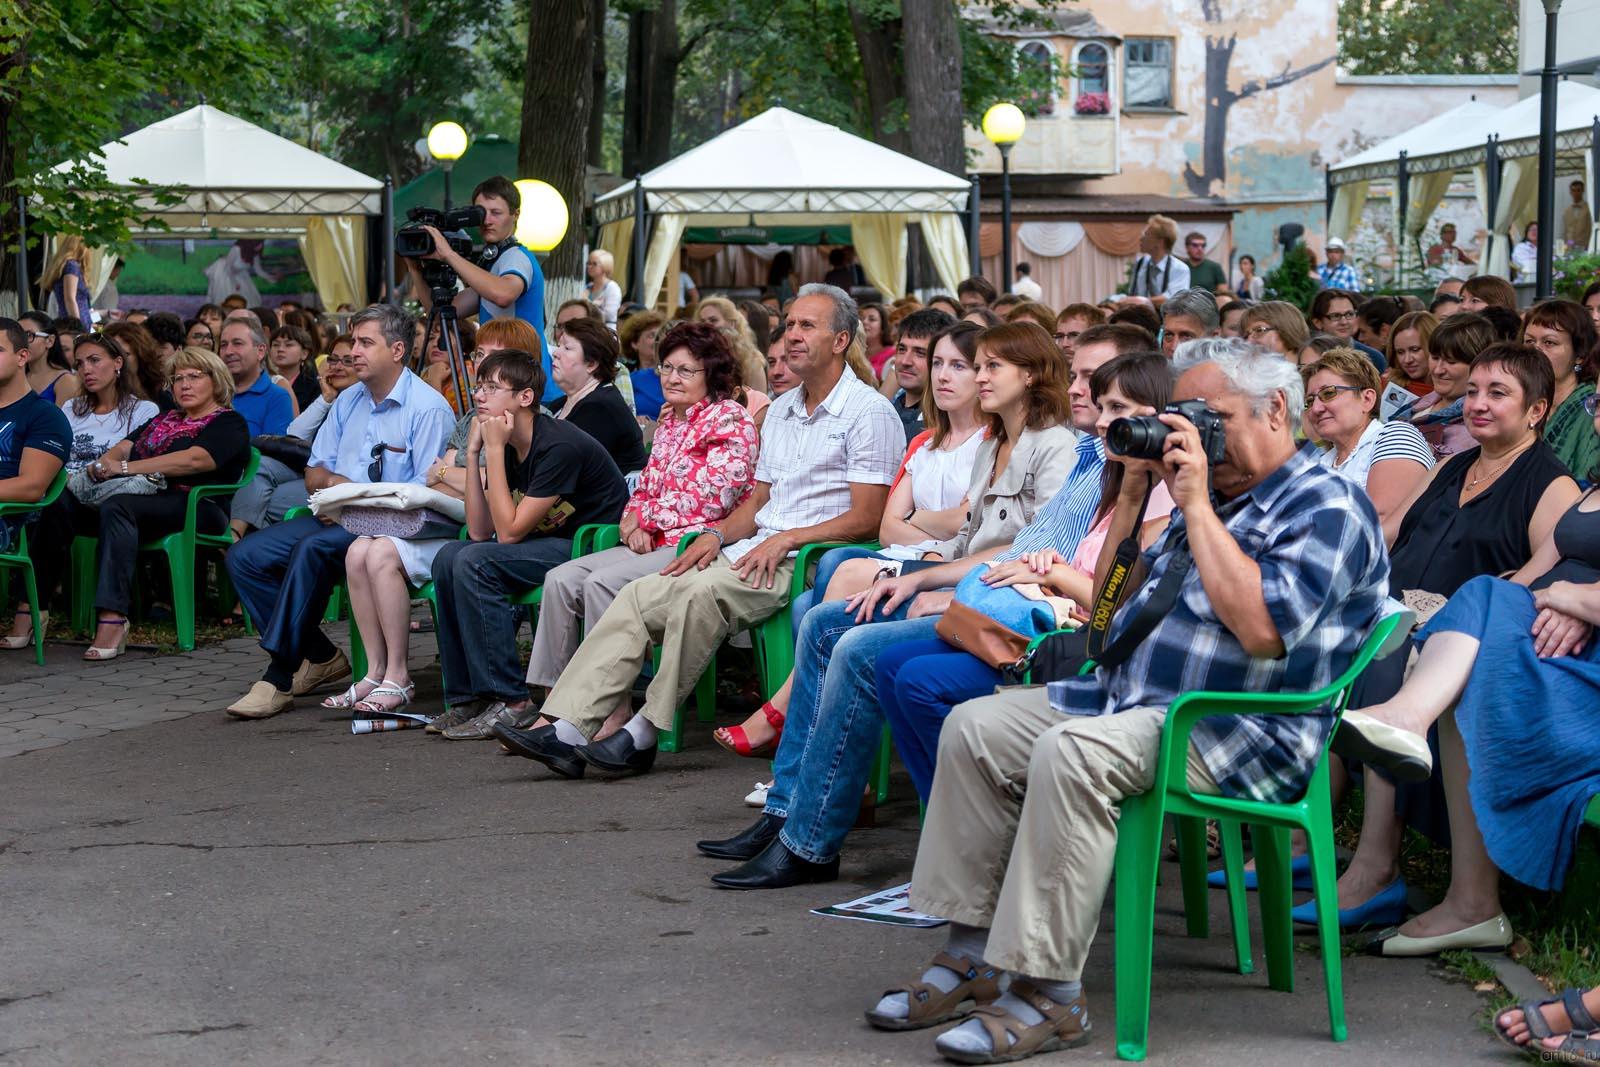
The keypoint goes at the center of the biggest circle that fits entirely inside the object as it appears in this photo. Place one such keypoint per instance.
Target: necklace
(1472, 483)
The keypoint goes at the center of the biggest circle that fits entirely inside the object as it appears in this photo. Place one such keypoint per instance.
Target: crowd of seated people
(1373, 456)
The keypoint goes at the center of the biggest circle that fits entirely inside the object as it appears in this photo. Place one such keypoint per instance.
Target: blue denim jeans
(833, 728)
(819, 582)
(918, 683)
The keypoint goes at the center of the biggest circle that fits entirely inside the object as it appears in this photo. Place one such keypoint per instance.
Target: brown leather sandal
(928, 1005)
(1064, 1026)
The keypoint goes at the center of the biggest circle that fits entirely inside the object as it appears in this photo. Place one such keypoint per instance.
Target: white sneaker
(758, 795)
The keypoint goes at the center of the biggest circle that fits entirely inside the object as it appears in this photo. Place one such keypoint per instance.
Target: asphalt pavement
(180, 888)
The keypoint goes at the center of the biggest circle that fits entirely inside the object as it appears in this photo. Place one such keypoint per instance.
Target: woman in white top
(1388, 459)
(109, 408)
(603, 293)
(927, 504)
(1525, 253)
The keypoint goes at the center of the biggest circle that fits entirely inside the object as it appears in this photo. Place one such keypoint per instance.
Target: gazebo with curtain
(234, 179)
(784, 169)
(1498, 146)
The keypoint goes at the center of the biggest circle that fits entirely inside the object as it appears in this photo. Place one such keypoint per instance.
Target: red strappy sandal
(734, 740)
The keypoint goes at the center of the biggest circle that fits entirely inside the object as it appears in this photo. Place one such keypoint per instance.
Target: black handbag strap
(1116, 587)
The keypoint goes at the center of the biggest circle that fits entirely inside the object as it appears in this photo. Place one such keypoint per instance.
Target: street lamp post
(1548, 88)
(1003, 125)
(447, 142)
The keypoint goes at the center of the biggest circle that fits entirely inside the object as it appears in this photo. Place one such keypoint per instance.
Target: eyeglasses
(1329, 393)
(375, 468)
(340, 361)
(1591, 404)
(189, 378)
(486, 387)
(1261, 329)
(1340, 316)
(673, 370)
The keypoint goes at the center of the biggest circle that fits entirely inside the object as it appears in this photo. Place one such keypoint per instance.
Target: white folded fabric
(399, 496)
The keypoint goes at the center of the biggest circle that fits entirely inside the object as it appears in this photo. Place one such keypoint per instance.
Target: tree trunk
(875, 42)
(9, 63)
(597, 108)
(557, 96)
(1219, 99)
(650, 94)
(932, 50)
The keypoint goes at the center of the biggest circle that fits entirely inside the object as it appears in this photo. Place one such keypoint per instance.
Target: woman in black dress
(583, 366)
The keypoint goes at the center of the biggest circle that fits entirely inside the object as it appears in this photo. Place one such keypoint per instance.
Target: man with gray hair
(388, 427)
(1268, 578)
(829, 451)
(1187, 315)
(267, 408)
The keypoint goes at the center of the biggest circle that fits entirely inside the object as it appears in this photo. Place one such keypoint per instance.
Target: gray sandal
(1582, 1024)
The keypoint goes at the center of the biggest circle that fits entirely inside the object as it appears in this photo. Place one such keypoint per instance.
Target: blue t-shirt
(647, 396)
(529, 307)
(266, 407)
(80, 310)
(31, 422)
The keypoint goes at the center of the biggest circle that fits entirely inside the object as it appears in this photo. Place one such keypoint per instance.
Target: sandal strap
(1009, 1036)
(1533, 1018)
(980, 983)
(774, 716)
(1582, 1021)
(1578, 1048)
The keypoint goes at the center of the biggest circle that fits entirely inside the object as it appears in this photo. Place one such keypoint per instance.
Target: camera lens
(1142, 437)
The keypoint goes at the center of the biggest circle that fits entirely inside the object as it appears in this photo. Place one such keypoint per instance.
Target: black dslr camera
(413, 242)
(1145, 436)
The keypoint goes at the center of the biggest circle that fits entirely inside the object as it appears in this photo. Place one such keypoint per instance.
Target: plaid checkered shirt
(1324, 576)
(1341, 277)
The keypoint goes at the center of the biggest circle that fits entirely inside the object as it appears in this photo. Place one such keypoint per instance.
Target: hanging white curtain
(944, 235)
(662, 254)
(617, 238)
(335, 250)
(1050, 239)
(1348, 203)
(1426, 194)
(1518, 188)
(880, 242)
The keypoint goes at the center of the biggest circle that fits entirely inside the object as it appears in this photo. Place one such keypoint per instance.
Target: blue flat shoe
(1387, 908)
(1299, 870)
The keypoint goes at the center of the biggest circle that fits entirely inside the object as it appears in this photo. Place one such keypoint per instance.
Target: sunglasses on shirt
(375, 469)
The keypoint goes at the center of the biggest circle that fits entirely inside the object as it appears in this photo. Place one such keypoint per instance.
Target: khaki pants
(1021, 830)
(689, 616)
(576, 594)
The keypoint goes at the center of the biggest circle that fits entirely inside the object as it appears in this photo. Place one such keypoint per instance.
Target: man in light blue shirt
(389, 427)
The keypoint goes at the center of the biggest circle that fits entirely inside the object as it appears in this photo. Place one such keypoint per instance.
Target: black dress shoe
(617, 754)
(747, 843)
(777, 868)
(542, 744)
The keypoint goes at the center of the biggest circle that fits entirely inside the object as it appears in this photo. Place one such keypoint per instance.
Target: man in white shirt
(1024, 285)
(829, 451)
(1157, 273)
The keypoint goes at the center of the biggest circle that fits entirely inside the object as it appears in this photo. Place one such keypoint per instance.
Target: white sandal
(368, 707)
(96, 654)
(14, 642)
(350, 698)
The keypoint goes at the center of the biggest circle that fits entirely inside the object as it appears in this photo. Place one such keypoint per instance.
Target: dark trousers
(122, 523)
(473, 582)
(918, 683)
(284, 575)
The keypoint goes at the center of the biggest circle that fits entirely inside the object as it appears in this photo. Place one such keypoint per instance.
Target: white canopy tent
(784, 169)
(234, 179)
(1498, 146)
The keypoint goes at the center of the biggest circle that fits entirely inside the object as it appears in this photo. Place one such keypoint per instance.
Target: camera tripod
(443, 313)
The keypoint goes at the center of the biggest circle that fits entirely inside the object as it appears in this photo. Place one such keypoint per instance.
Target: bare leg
(363, 605)
(616, 720)
(757, 729)
(1474, 893)
(392, 600)
(1435, 683)
(22, 625)
(1376, 862)
(1555, 1014)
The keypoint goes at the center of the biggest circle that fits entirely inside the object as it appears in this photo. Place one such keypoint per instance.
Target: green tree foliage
(1428, 37)
(1291, 280)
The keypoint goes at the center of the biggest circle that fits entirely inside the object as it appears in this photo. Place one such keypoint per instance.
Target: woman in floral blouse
(702, 465)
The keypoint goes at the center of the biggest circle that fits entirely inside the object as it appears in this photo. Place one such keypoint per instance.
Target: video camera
(1145, 436)
(414, 242)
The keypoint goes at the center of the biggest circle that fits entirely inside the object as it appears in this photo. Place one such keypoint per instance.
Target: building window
(1147, 72)
(1037, 64)
(1092, 72)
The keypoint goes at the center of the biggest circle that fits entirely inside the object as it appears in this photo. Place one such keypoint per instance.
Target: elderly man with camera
(1269, 578)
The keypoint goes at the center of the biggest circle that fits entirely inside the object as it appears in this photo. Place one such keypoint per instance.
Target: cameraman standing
(503, 280)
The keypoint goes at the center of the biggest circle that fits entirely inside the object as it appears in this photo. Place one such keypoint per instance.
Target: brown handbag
(972, 631)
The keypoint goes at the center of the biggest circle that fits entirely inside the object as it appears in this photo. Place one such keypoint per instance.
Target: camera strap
(1116, 587)
(490, 253)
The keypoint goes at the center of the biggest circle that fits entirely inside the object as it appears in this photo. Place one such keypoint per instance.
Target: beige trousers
(577, 594)
(1021, 829)
(689, 616)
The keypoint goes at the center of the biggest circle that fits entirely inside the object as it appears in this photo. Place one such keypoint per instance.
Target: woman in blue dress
(1520, 756)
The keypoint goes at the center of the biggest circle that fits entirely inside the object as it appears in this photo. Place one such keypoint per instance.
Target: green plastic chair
(17, 559)
(1139, 848)
(181, 550)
